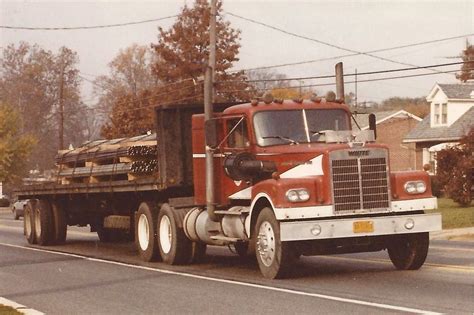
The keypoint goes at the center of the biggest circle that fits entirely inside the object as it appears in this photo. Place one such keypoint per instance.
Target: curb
(20, 308)
(453, 233)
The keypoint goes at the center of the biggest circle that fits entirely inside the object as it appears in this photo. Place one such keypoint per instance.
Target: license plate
(363, 226)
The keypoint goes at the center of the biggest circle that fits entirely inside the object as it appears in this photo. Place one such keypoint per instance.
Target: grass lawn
(7, 310)
(453, 215)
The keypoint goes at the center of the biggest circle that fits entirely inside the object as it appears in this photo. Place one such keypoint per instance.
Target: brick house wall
(402, 155)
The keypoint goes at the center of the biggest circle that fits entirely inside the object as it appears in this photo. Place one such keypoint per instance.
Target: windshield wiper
(291, 141)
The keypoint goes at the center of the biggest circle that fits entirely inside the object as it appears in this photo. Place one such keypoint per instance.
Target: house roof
(363, 118)
(454, 91)
(422, 131)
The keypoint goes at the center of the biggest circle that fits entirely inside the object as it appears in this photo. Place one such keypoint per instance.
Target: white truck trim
(339, 227)
(328, 210)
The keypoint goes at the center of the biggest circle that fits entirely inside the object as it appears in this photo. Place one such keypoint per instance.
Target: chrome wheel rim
(165, 234)
(266, 243)
(143, 232)
(27, 219)
(37, 223)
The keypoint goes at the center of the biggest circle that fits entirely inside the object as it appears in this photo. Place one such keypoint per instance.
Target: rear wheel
(175, 247)
(29, 221)
(274, 257)
(60, 223)
(409, 251)
(145, 232)
(43, 216)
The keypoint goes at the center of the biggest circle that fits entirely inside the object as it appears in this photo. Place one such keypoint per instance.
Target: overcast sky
(354, 25)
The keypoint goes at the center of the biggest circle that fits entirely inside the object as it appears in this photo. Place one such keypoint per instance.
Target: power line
(320, 41)
(358, 81)
(353, 52)
(359, 73)
(84, 27)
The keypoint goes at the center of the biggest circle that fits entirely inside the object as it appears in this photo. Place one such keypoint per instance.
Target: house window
(436, 114)
(444, 113)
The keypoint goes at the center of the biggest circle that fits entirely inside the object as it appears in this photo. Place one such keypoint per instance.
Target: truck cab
(303, 183)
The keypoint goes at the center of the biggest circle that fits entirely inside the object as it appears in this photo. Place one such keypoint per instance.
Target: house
(451, 117)
(392, 127)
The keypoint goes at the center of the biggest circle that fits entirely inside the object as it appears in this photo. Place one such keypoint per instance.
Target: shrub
(436, 186)
(455, 170)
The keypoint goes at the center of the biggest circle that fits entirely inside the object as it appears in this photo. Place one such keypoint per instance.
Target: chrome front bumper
(357, 227)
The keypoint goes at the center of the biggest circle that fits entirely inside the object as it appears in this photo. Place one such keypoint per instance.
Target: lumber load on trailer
(109, 160)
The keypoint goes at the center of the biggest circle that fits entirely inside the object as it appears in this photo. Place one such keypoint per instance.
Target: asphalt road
(88, 277)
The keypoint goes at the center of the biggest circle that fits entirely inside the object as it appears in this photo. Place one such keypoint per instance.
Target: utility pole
(61, 106)
(208, 110)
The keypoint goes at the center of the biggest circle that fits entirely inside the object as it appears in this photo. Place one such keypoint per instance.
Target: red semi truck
(289, 178)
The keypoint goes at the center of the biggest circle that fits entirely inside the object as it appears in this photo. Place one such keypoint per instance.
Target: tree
(180, 60)
(467, 68)
(417, 106)
(41, 85)
(130, 73)
(14, 147)
(455, 170)
(266, 80)
(183, 53)
(130, 117)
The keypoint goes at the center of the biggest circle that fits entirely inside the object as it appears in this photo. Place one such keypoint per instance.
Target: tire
(29, 221)
(274, 257)
(60, 223)
(15, 214)
(175, 248)
(145, 231)
(43, 216)
(409, 251)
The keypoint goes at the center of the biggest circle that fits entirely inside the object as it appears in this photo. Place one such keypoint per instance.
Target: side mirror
(210, 129)
(373, 124)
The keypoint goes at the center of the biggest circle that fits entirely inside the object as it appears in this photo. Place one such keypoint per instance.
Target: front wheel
(409, 251)
(274, 257)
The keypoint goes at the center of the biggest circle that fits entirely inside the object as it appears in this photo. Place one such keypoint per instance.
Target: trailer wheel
(60, 223)
(145, 233)
(274, 257)
(29, 221)
(409, 251)
(43, 216)
(175, 247)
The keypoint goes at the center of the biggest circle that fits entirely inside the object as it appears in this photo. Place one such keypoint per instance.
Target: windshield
(297, 126)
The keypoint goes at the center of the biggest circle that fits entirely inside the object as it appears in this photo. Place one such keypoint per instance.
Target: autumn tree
(417, 106)
(265, 80)
(467, 68)
(130, 73)
(183, 53)
(180, 60)
(15, 148)
(40, 85)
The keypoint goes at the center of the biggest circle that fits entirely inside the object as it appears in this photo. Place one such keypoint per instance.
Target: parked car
(18, 208)
(4, 201)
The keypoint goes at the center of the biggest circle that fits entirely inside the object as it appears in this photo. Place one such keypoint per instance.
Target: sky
(356, 25)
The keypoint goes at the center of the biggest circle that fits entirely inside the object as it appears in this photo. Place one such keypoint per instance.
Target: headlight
(297, 195)
(417, 187)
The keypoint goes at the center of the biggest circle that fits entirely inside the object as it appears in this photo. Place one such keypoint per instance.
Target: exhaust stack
(339, 82)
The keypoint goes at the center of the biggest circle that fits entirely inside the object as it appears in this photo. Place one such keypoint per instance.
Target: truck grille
(360, 182)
